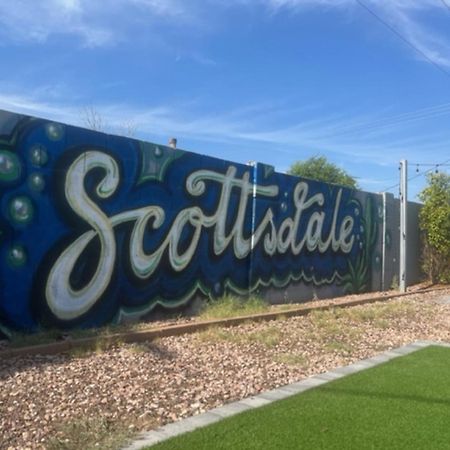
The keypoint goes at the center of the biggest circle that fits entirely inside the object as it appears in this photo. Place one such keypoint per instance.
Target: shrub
(435, 225)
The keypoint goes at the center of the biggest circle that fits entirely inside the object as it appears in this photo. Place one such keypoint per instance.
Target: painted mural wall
(96, 228)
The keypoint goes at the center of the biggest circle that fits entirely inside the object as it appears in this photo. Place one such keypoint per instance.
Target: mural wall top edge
(95, 226)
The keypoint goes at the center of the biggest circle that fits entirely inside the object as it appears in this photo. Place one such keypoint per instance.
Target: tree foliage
(319, 168)
(435, 225)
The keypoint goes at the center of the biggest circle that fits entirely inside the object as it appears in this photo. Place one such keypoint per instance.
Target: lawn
(402, 404)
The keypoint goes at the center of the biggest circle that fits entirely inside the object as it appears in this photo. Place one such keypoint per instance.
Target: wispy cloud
(92, 21)
(35, 106)
(317, 133)
(407, 17)
(196, 57)
(97, 25)
(23, 20)
(164, 8)
(245, 134)
(353, 139)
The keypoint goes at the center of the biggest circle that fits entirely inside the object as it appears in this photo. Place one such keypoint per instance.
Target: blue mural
(96, 228)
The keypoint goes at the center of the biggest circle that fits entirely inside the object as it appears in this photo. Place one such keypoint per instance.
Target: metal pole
(383, 243)
(403, 221)
(254, 166)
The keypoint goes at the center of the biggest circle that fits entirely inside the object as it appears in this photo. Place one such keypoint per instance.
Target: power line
(427, 164)
(400, 36)
(420, 174)
(390, 187)
(441, 164)
(446, 4)
(392, 121)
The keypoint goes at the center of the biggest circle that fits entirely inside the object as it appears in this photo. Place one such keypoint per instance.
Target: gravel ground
(46, 400)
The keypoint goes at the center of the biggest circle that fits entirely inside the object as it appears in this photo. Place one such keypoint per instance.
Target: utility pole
(403, 221)
(254, 168)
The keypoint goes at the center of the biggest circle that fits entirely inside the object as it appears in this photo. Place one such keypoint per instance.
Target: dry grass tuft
(230, 306)
(267, 337)
(291, 359)
(90, 434)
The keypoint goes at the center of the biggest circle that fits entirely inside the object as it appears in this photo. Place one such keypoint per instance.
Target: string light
(433, 167)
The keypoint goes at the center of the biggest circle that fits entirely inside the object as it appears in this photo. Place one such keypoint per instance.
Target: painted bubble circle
(10, 167)
(21, 210)
(377, 261)
(17, 256)
(284, 207)
(388, 239)
(36, 182)
(38, 155)
(54, 131)
(158, 152)
(380, 212)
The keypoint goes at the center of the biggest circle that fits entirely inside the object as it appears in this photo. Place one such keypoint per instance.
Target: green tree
(319, 168)
(435, 225)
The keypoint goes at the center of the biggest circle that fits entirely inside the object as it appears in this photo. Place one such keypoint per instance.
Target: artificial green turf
(402, 404)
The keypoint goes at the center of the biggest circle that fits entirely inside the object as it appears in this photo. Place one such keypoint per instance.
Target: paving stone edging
(214, 415)
(185, 328)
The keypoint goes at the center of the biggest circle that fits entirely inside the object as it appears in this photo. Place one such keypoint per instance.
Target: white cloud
(316, 134)
(245, 135)
(164, 8)
(407, 17)
(353, 136)
(302, 4)
(94, 22)
(359, 138)
(98, 25)
(24, 20)
(35, 106)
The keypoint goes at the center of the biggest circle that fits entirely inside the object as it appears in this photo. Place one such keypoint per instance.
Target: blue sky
(268, 80)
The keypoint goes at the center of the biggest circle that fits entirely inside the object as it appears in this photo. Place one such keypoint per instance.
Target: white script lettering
(68, 303)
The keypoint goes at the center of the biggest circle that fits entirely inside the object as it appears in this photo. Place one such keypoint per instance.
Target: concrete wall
(98, 228)
(414, 273)
(391, 245)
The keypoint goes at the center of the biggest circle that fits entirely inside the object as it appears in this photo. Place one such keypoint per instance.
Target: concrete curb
(176, 330)
(214, 415)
